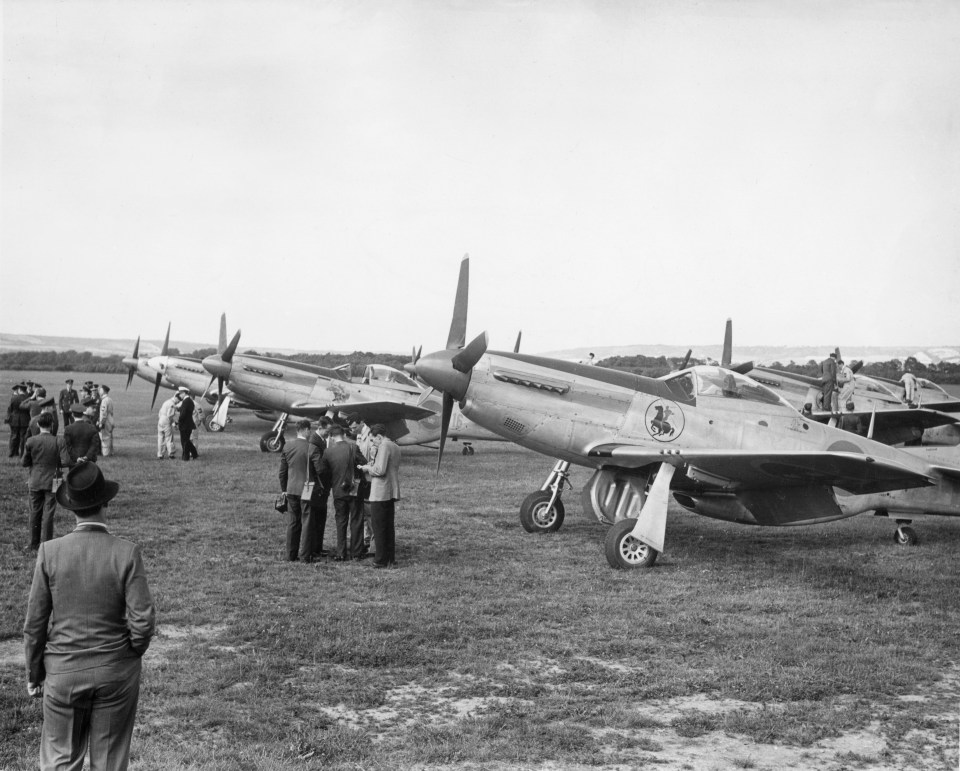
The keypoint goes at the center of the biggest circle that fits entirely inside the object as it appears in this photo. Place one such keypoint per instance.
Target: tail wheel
(623, 551)
(906, 536)
(538, 516)
(272, 442)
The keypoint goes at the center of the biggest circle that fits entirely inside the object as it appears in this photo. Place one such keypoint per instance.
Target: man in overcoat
(90, 618)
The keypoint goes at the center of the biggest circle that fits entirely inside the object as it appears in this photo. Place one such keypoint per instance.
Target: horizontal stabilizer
(734, 470)
(944, 406)
(371, 412)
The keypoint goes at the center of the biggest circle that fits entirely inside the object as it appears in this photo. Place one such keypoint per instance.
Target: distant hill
(770, 354)
(758, 354)
(117, 347)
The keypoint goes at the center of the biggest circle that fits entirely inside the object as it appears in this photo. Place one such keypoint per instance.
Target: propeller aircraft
(292, 388)
(164, 370)
(723, 444)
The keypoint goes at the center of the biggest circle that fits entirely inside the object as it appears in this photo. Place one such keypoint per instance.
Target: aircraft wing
(900, 417)
(371, 412)
(944, 406)
(735, 470)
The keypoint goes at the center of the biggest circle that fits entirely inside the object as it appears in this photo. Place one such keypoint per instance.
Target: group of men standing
(182, 412)
(30, 399)
(835, 372)
(359, 469)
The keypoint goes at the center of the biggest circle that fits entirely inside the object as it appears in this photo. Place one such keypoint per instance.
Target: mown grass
(490, 647)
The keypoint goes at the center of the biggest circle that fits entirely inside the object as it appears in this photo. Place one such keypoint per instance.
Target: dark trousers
(43, 508)
(187, 448)
(301, 530)
(67, 417)
(382, 522)
(18, 438)
(92, 707)
(349, 514)
(318, 509)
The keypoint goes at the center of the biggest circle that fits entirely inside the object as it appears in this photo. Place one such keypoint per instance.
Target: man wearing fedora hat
(89, 621)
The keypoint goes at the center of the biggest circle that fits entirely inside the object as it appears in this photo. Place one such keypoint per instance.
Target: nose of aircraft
(216, 366)
(130, 362)
(437, 370)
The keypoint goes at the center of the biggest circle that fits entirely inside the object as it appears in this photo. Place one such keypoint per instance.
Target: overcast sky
(619, 172)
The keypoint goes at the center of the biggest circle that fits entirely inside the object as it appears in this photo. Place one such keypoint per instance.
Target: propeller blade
(426, 395)
(856, 367)
(458, 324)
(686, 359)
(136, 349)
(132, 368)
(166, 341)
(130, 373)
(444, 425)
(727, 355)
(231, 349)
(222, 342)
(516, 345)
(743, 369)
(156, 388)
(467, 359)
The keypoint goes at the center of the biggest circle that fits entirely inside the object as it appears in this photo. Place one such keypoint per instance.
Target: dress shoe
(338, 559)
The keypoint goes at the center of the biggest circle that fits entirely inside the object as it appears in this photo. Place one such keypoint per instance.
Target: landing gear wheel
(272, 442)
(212, 425)
(465, 451)
(538, 516)
(906, 536)
(623, 551)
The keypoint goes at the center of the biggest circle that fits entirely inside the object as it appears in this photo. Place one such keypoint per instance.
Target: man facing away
(294, 474)
(68, 397)
(81, 441)
(42, 456)
(90, 618)
(106, 420)
(828, 389)
(365, 443)
(321, 494)
(338, 472)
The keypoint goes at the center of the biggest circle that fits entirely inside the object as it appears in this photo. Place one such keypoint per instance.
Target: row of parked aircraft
(727, 441)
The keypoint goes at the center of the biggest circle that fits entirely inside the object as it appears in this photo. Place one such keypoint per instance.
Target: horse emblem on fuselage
(664, 420)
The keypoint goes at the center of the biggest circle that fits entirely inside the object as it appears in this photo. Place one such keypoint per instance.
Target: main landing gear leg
(636, 543)
(467, 449)
(542, 511)
(273, 440)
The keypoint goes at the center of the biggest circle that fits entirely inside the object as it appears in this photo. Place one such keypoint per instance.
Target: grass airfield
(823, 647)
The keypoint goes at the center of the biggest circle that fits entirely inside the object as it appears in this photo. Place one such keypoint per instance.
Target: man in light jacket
(384, 493)
(106, 420)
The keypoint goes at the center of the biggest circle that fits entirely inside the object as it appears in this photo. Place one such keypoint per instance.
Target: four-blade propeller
(163, 352)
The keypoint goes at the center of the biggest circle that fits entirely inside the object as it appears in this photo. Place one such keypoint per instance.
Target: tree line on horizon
(649, 366)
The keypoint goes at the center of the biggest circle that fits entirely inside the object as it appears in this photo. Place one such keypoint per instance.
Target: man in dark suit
(89, 620)
(294, 474)
(68, 397)
(46, 406)
(828, 377)
(18, 419)
(81, 440)
(42, 456)
(338, 472)
(186, 425)
(321, 493)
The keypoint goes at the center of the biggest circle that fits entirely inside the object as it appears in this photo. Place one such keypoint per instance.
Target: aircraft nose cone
(130, 362)
(436, 370)
(215, 365)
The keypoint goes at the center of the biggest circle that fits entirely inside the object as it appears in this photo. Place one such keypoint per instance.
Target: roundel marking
(664, 420)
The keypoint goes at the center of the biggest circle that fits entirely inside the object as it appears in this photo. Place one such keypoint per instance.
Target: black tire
(623, 551)
(212, 425)
(271, 442)
(465, 451)
(536, 514)
(906, 536)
